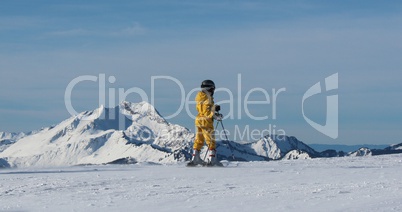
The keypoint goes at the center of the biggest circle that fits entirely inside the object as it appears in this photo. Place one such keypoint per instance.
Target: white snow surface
(324, 184)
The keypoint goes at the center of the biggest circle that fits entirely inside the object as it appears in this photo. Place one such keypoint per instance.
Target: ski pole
(227, 140)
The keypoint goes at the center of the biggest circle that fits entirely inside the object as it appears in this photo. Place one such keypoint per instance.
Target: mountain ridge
(136, 132)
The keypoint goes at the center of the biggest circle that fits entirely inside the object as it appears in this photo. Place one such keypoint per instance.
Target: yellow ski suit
(204, 121)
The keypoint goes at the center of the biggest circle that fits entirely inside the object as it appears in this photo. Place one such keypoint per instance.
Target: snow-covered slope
(323, 184)
(135, 131)
(271, 147)
(6, 139)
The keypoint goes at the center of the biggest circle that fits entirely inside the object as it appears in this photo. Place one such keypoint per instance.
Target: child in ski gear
(204, 123)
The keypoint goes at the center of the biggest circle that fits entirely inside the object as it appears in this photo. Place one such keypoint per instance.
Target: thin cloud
(20, 23)
(134, 29)
(72, 32)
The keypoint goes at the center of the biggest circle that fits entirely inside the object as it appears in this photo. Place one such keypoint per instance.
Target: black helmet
(208, 84)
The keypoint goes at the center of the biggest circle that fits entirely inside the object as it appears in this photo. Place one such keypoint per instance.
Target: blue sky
(272, 44)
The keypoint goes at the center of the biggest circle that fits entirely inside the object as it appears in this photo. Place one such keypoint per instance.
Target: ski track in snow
(325, 184)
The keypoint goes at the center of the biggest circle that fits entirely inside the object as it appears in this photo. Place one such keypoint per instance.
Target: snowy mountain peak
(11, 136)
(361, 152)
(137, 111)
(103, 135)
(120, 117)
(277, 146)
(296, 154)
(135, 132)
